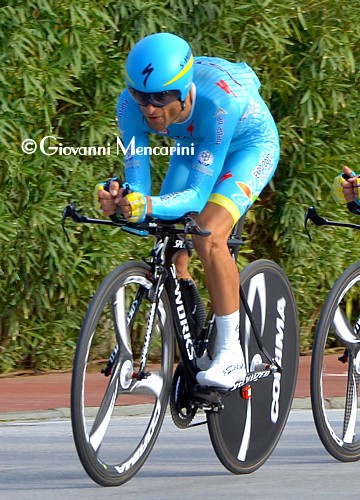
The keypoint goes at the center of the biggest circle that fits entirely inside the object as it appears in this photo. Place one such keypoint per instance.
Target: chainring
(182, 410)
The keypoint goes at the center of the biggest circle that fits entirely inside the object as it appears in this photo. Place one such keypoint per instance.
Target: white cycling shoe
(204, 362)
(227, 368)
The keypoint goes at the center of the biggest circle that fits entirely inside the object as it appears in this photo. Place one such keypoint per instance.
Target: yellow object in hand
(138, 206)
(100, 186)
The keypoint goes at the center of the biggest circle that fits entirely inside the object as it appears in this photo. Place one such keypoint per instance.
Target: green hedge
(61, 72)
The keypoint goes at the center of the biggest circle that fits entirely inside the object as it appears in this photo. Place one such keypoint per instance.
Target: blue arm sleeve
(134, 135)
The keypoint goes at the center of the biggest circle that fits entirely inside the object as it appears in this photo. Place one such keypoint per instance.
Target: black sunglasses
(158, 99)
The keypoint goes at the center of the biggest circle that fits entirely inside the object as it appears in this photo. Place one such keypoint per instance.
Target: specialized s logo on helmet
(147, 72)
(186, 60)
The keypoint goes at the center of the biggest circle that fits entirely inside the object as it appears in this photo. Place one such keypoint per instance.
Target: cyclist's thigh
(177, 174)
(245, 174)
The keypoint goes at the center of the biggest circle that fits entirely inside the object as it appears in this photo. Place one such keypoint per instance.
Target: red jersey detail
(190, 128)
(224, 86)
(223, 178)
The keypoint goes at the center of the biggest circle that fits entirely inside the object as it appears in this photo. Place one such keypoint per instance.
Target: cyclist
(214, 107)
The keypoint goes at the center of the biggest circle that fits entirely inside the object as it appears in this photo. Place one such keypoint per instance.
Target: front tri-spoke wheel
(122, 369)
(335, 369)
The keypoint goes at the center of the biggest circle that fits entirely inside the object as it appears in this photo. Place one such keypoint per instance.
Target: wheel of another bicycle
(111, 445)
(245, 432)
(335, 369)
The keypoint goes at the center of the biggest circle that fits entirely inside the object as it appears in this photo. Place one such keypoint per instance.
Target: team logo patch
(205, 158)
(220, 111)
(245, 188)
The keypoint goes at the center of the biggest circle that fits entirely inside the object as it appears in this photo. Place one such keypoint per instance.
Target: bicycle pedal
(261, 367)
(209, 394)
(257, 364)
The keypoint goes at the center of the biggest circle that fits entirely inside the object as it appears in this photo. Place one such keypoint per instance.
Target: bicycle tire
(334, 387)
(112, 447)
(245, 432)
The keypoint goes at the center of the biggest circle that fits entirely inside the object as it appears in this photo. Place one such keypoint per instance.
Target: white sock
(228, 365)
(227, 332)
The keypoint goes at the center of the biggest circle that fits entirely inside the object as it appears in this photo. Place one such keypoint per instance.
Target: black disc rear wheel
(245, 432)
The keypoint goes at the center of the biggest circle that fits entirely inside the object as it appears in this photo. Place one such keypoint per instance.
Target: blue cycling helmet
(160, 62)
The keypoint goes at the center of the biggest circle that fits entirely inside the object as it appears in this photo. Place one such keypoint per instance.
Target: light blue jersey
(232, 136)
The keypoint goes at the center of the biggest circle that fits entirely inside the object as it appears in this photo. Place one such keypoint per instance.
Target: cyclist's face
(160, 118)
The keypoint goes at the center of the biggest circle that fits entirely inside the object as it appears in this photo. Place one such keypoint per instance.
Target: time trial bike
(124, 374)
(335, 362)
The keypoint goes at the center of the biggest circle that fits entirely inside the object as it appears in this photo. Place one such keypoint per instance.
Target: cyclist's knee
(219, 221)
(210, 246)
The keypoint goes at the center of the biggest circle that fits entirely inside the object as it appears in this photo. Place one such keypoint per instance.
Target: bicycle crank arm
(214, 395)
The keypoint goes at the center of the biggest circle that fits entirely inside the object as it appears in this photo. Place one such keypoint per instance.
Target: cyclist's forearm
(175, 205)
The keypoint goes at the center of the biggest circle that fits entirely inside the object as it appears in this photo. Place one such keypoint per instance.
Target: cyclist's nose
(150, 109)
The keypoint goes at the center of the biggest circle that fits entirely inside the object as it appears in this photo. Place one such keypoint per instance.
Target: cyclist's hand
(350, 186)
(345, 191)
(134, 207)
(107, 196)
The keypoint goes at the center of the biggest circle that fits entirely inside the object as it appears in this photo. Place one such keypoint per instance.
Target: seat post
(235, 241)
(237, 229)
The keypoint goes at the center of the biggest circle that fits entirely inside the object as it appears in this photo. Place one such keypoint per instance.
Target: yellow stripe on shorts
(230, 206)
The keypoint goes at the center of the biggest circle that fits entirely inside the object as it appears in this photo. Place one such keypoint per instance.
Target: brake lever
(314, 217)
(191, 227)
(318, 220)
(70, 211)
(322, 221)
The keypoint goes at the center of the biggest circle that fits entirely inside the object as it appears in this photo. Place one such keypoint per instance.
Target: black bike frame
(164, 251)
(163, 273)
